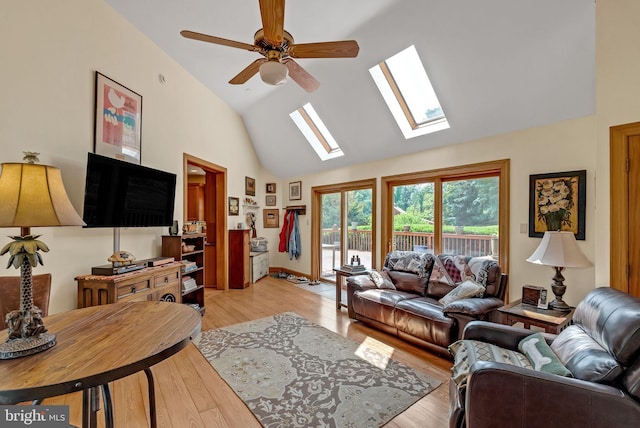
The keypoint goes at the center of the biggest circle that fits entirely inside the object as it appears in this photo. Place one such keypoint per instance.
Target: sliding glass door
(344, 228)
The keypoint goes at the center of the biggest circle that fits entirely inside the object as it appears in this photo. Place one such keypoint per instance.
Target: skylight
(405, 86)
(316, 132)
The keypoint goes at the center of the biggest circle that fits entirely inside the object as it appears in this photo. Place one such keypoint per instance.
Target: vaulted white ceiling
(496, 65)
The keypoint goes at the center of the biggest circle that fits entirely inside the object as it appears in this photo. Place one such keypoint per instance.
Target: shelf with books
(189, 250)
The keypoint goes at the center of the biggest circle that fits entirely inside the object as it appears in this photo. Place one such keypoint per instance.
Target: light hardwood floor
(189, 393)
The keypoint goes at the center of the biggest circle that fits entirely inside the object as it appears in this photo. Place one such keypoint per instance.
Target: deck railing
(470, 245)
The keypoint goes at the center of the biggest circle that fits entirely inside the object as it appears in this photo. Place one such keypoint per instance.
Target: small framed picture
(249, 186)
(295, 191)
(270, 200)
(542, 302)
(234, 206)
(271, 187)
(271, 218)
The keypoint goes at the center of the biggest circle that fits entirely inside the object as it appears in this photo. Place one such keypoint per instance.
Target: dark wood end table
(550, 320)
(340, 274)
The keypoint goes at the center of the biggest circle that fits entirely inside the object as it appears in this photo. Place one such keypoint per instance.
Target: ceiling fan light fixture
(273, 73)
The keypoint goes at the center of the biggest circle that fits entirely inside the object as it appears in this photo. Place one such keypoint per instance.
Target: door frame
(220, 191)
(316, 218)
(619, 267)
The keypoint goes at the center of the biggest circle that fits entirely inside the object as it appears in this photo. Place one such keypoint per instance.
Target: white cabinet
(259, 265)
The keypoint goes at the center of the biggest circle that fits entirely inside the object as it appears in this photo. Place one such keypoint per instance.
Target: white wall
(565, 146)
(571, 145)
(50, 52)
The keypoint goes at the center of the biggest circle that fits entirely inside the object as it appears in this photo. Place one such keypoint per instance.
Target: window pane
(359, 216)
(330, 235)
(413, 217)
(470, 217)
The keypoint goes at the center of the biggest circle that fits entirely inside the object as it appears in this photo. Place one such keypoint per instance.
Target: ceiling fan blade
(272, 14)
(248, 72)
(218, 41)
(342, 49)
(300, 75)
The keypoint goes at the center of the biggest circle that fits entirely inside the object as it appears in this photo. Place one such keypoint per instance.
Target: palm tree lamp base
(21, 347)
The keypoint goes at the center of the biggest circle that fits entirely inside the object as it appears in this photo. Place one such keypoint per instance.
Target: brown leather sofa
(601, 349)
(412, 311)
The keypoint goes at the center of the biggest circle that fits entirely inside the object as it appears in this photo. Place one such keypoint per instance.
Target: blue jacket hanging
(294, 239)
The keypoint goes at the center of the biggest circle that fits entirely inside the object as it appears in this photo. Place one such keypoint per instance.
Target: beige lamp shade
(34, 195)
(559, 249)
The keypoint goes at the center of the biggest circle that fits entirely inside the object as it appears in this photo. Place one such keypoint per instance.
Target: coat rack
(300, 209)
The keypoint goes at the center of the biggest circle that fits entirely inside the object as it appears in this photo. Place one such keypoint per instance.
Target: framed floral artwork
(295, 191)
(234, 206)
(557, 201)
(117, 122)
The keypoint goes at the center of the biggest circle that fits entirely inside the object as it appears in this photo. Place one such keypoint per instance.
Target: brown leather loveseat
(406, 302)
(601, 351)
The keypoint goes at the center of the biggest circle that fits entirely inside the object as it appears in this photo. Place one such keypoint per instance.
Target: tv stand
(151, 283)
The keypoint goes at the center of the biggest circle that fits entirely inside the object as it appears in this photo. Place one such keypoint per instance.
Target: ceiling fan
(279, 50)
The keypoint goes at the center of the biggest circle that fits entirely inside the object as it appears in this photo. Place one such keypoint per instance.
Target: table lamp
(560, 250)
(30, 195)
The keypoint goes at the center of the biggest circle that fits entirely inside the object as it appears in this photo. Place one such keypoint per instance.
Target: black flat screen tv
(123, 194)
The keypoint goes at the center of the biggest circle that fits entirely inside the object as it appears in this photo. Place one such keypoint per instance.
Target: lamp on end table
(559, 250)
(30, 195)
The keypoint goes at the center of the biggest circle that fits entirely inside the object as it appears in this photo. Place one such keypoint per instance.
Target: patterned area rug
(291, 372)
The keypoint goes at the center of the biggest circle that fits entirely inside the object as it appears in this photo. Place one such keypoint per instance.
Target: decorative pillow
(449, 263)
(540, 355)
(479, 268)
(464, 290)
(466, 352)
(439, 273)
(380, 281)
(410, 261)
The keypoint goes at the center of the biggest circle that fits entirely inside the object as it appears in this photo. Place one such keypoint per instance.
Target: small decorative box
(531, 294)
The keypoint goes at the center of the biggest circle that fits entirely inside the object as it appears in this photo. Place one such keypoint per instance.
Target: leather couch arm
(360, 283)
(354, 284)
(534, 399)
(475, 307)
(500, 335)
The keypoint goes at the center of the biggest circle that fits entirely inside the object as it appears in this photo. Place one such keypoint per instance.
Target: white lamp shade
(559, 249)
(34, 195)
(273, 73)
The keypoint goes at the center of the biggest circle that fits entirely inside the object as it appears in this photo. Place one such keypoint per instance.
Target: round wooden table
(98, 345)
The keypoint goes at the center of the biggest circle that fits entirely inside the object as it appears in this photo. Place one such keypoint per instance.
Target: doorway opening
(204, 202)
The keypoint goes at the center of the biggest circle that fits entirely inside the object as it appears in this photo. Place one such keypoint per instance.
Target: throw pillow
(464, 290)
(439, 273)
(540, 355)
(466, 352)
(380, 281)
(410, 261)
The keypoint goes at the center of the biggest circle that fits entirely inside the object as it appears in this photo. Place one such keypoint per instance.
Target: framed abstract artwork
(557, 201)
(117, 121)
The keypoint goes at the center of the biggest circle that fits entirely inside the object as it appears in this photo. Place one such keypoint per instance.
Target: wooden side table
(340, 274)
(548, 319)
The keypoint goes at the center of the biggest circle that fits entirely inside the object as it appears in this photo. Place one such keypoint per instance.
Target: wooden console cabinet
(153, 283)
